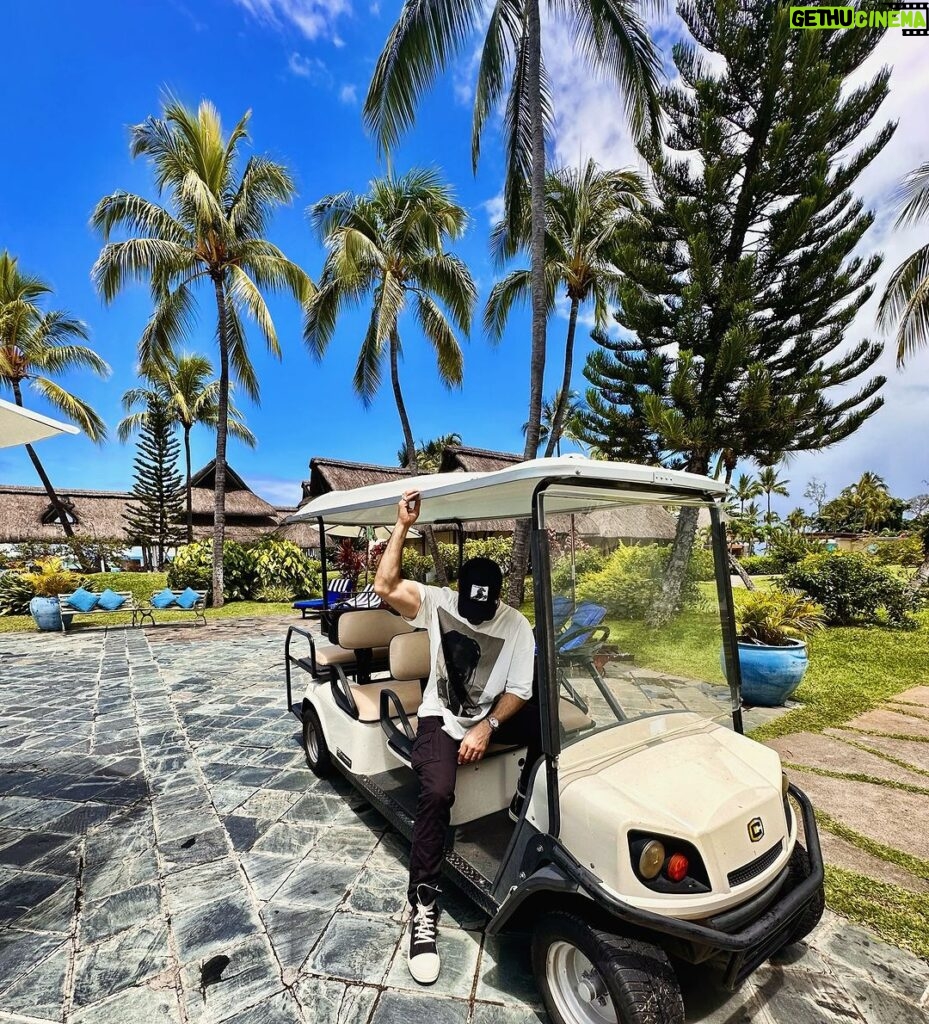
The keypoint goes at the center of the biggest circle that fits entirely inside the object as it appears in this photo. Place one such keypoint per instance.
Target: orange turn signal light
(677, 867)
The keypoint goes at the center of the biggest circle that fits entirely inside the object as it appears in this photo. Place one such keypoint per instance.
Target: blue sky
(76, 75)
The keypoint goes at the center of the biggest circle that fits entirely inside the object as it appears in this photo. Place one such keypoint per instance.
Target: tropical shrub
(15, 594)
(50, 578)
(281, 564)
(415, 566)
(193, 567)
(786, 548)
(632, 576)
(586, 562)
(906, 551)
(760, 565)
(274, 593)
(851, 589)
(140, 584)
(773, 617)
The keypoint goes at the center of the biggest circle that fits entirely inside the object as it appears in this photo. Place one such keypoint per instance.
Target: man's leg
(435, 761)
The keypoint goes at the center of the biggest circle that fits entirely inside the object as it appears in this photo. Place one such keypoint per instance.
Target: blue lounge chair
(337, 590)
(561, 611)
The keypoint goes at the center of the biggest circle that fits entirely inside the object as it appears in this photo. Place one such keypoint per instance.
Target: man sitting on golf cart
(480, 683)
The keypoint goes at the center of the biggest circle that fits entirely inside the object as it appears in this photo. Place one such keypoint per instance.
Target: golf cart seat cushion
(327, 657)
(409, 656)
(367, 697)
(572, 718)
(367, 628)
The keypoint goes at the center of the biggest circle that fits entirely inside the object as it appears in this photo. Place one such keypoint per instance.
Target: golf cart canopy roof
(575, 484)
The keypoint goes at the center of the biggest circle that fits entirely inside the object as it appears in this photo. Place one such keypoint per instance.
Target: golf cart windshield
(636, 624)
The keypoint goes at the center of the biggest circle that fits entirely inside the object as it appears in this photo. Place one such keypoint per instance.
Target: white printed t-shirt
(472, 665)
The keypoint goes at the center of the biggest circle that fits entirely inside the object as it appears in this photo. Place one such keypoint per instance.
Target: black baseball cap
(479, 584)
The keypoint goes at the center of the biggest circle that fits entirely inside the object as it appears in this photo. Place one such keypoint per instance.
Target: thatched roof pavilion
(27, 515)
(338, 475)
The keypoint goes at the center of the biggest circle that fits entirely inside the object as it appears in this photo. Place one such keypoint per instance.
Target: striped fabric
(343, 585)
(365, 598)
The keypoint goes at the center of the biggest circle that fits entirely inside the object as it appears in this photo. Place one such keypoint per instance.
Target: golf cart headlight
(651, 859)
(785, 784)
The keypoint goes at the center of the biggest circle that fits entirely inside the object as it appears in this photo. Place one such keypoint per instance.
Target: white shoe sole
(424, 969)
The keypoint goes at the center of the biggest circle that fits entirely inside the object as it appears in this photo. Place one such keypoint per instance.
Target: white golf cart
(653, 827)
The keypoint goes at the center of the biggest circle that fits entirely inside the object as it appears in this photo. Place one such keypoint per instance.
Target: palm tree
(389, 244)
(771, 483)
(429, 453)
(428, 35)
(905, 301)
(796, 520)
(585, 211)
(211, 233)
(570, 408)
(190, 397)
(745, 489)
(36, 345)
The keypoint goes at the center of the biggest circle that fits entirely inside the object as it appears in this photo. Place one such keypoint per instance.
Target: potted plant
(773, 627)
(48, 580)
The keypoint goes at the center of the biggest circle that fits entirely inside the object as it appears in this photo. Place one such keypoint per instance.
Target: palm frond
(440, 335)
(72, 407)
(138, 216)
(139, 259)
(500, 44)
(245, 296)
(241, 365)
(905, 303)
(914, 192)
(171, 321)
(448, 277)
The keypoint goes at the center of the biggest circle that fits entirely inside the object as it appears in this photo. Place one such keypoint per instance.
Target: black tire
(314, 744)
(800, 869)
(636, 977)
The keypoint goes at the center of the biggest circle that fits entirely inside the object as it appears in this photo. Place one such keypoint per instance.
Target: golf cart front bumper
(741, 939)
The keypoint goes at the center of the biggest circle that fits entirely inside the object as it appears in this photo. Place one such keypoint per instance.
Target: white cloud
(374, 8)
(349, 94)
(275, 490)
(315, 19)
(493, 208)
(311, 68)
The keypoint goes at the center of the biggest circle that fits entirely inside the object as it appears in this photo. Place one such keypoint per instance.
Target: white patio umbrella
(22, 426)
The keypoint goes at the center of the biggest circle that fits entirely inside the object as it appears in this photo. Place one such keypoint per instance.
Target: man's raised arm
(402, 595)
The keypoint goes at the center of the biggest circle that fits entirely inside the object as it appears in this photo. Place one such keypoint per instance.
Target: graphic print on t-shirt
(464, 664)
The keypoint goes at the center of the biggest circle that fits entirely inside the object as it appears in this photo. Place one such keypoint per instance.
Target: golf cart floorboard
(477, 848)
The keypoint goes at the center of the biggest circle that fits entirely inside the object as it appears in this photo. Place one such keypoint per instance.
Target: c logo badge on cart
(756, 830)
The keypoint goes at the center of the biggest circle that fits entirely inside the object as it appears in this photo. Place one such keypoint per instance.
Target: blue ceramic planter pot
(46, 612)
(771, 674)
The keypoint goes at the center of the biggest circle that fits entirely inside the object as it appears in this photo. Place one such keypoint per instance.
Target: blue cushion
(83, 600)
(188, 599)
(163, 599)
(109, 600)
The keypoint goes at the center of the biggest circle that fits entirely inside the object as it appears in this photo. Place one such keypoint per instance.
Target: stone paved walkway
(165, 856)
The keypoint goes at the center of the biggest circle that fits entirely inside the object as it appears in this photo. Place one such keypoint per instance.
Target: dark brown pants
(435, 761)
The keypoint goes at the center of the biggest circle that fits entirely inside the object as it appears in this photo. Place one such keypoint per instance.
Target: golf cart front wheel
(800, 869)
(314, 743)
(587, 976)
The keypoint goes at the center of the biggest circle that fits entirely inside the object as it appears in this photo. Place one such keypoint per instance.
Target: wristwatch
(494, 723)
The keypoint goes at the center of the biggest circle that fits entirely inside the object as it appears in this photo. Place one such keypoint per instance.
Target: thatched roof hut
(337, 475)
(27, 515)
(462, 459)
(303, 533)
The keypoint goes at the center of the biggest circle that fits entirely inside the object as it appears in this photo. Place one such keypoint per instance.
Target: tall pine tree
(741, 281)
(156, 520)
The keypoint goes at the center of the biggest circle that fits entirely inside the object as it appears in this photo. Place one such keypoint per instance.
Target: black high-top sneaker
(423, 958)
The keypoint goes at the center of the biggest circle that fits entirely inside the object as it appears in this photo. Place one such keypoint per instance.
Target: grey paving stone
(379, 890)
(120, 962)
(293, 931)
(354, 948)
(195, 849)
(25, 890)
(854, 951)
(39, 813)
(33, 848)
(805, 998)
(54, 914)
(288, 839)
(326, 1001)
(406, 1008)
(21, 951)
(40, 992)
(202, 884)
(227, 798)
(115, 913)
(878, 1005)
(348, 844)
(142, 1004)
(207, 929)
(269, 803)
(293, 780)
(266, 872)
(504, 973)
(320, 809)
(495, 1013)
(104, 877)
(320, 884)
(244, 832)
(250, 977)
(281, 1008)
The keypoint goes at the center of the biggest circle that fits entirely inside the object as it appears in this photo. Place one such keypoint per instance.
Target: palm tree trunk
(554, 438)
(43, 476)
(190, 509)
(412, 461)
(516, 590)
(222, 409)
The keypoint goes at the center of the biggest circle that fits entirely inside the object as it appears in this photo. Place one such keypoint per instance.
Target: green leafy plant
(906, 551)
(274, 593)
(50, 578)
(281, 565)
(786, 548)
(193, 567)
(773, 617)
(852, 589)
(632, 576)
(586, 562)
(760, 565)
(415, 566)
(15, 593)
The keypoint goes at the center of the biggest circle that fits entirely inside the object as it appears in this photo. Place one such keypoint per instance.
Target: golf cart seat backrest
(409, 665)
(409, 656)
(361, 629)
